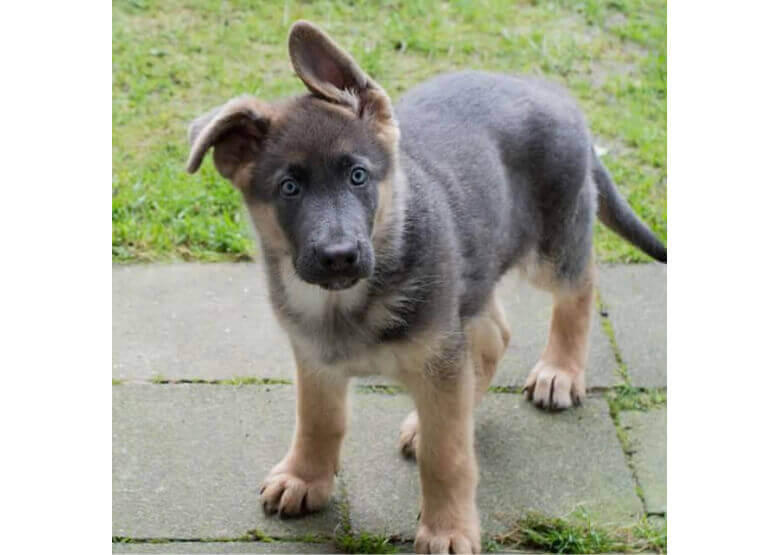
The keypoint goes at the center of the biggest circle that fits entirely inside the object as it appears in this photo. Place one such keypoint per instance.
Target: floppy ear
(236, 130)
(330, 73)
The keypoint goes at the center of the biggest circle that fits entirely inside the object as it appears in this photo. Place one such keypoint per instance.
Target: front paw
(448, 539)
(554, 387)
(289, 493)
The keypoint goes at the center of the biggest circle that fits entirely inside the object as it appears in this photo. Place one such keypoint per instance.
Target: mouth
(338, 284)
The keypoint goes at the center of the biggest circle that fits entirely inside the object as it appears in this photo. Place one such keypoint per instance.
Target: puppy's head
(316, 171)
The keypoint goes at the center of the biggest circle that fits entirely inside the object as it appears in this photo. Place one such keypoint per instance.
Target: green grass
(174, 60)
(251, 380)
(627, 397)
(513, 389)
(257, 536)
(577, 534)
(381, 389)
(365, 543)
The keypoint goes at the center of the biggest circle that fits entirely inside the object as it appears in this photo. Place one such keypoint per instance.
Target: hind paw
(554, 387)
(409, 439)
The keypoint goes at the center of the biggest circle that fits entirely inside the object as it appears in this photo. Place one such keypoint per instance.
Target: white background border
(723, 185)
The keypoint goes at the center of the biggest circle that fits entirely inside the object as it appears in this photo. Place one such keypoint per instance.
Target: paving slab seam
(396, 544)
(614, 412)
(606, 326)
(597, 391)
(622, 435)
(649, 462)
(249, 538)
(239, 539)
(201, 381)
(345, 522)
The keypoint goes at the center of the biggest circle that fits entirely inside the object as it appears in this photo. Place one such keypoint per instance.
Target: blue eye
(358, 176)
(289, 188)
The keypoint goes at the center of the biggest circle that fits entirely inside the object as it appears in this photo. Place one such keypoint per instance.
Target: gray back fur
(507, 161)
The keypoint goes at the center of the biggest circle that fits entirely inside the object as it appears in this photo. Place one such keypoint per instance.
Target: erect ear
(236, 130)
(330, 73)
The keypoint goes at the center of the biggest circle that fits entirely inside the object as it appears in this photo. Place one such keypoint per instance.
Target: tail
(617, 215)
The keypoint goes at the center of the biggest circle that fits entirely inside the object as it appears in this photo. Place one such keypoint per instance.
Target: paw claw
(452, 541)
(550, 402)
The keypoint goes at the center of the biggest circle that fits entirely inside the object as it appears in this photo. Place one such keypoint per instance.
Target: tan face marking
(267, 225)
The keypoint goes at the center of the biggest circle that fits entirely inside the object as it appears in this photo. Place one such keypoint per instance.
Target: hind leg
(558, 379)
(488, 337)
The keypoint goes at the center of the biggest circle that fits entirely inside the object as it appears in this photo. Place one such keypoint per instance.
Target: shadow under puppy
(384, 232)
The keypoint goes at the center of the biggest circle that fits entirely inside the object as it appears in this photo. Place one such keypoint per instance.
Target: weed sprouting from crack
(383, 389)
(578, 534)
(627, 397)
(365, 543)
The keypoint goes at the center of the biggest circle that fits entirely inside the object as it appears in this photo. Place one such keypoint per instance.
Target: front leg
(449, 522)
(303, 480)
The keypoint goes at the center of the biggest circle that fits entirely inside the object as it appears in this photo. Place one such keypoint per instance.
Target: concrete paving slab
(647, 435)
(224, 547)
(214, 321)
(208, 321)
(188, 461)
(529, 460)
(556, 462)
(528, 312)
(635, 297)
(382, 487)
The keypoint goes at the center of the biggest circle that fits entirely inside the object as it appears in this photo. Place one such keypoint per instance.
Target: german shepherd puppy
(384, 232)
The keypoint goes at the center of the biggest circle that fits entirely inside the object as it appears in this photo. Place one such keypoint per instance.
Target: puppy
(384, 232)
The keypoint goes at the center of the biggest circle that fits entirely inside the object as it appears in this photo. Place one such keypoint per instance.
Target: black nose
(340, 257)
